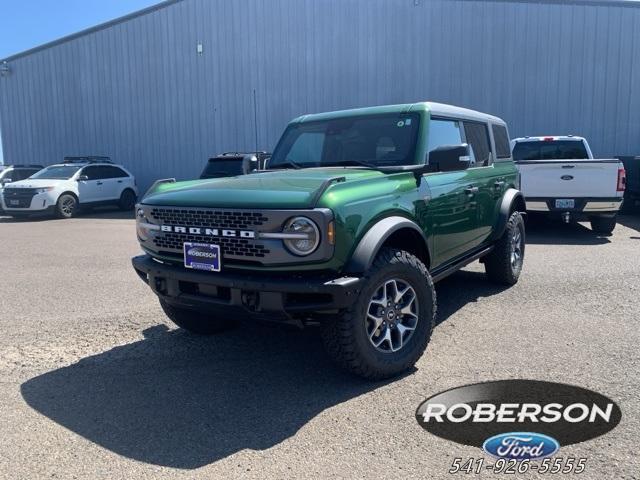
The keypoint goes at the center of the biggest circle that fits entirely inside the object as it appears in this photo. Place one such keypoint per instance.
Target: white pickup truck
(560, 176)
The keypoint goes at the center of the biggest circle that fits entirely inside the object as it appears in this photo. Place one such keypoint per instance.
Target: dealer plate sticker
(202, 256)
(565, 203)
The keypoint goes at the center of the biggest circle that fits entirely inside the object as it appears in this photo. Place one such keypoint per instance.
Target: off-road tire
(603, 225)
(498, 264)
(127, 200)
(66, 206)
(346, 339)
(197, 322)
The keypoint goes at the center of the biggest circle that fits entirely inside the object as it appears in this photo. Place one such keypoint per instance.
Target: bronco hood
(275, 189)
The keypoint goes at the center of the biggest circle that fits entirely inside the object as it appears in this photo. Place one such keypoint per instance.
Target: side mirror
(449, 158)
(83, 178)
(4, 181)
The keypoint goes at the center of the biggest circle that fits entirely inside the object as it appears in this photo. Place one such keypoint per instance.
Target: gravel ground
(95, 383)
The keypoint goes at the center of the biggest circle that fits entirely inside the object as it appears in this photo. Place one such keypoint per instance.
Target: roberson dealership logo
(518, 419)
(209, 232)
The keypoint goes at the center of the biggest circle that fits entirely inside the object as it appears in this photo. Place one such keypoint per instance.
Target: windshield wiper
(285, 164)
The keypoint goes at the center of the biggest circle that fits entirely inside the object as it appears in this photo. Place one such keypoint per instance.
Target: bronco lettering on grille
(213, 232)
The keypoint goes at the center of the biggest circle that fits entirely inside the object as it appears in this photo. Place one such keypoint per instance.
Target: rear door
(114, 180)
(453, 205)
(488, 180)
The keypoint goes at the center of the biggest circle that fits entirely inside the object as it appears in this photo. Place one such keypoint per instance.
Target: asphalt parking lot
(95, 383)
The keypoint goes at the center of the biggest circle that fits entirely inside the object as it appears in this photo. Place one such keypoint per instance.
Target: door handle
(119, 181)
(98, 183)
(471, 190)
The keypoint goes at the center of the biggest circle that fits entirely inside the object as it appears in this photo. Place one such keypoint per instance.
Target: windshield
(56, 173)
(550, 150)
(374, 140)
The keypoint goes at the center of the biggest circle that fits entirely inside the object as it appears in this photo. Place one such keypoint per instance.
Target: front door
(91, 190)
(453, 206)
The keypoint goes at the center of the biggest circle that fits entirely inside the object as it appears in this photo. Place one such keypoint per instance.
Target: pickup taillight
(622, 180)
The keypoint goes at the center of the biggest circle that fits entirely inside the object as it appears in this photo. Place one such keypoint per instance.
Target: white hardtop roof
(445, 110)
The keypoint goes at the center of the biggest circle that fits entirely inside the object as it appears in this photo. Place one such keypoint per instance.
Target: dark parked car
(231, 164)
(13, 173)
(632, 191)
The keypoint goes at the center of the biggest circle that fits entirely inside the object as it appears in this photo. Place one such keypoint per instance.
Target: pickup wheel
(504, 264)
(389, 325)
(603, 225)
(67, 206)
(196, 322)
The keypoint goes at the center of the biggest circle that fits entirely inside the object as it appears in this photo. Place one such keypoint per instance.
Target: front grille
(18, 197)
(206, 218)
(220, 219)
(240, 247)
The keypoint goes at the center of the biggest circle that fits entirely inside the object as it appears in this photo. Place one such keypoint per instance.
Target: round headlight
(305, 236)
(142, 225)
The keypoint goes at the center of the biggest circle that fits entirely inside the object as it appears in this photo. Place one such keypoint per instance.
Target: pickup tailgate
(569, 178)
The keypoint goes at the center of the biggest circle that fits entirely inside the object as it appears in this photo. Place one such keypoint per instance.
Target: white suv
(63, 188)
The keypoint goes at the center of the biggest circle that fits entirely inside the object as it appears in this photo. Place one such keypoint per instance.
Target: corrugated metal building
(163, 89)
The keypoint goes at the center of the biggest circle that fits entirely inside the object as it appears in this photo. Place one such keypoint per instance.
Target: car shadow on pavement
(543, 231)
(107, 213)
(462, 288)
(182, 401)
(631, 221)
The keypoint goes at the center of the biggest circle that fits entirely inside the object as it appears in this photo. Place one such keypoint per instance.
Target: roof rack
(87, 159)
(258, 153)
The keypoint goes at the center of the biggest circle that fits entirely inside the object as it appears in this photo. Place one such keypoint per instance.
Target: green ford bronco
(356, 216)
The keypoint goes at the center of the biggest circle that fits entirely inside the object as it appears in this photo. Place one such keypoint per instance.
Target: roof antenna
(255, 117)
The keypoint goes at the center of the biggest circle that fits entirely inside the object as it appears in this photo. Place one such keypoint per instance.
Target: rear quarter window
(501, 139)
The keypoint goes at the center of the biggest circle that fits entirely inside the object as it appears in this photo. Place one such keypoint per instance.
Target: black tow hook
(250, 300)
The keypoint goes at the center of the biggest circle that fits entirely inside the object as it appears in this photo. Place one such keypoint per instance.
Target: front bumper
(292, 295)
(38, 203)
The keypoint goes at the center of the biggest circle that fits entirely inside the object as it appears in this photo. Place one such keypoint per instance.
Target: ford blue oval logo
(521, 446)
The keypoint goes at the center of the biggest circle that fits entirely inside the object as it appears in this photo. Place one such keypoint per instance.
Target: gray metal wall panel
(138, 91)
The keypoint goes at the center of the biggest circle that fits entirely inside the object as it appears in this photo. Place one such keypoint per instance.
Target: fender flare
(509, 200)
(372, 241)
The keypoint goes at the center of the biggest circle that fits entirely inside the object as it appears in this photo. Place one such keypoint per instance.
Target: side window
(444, 132)
(477, 136)
(501, 138)
(93, 173)
(113, 172)
(17, 174)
